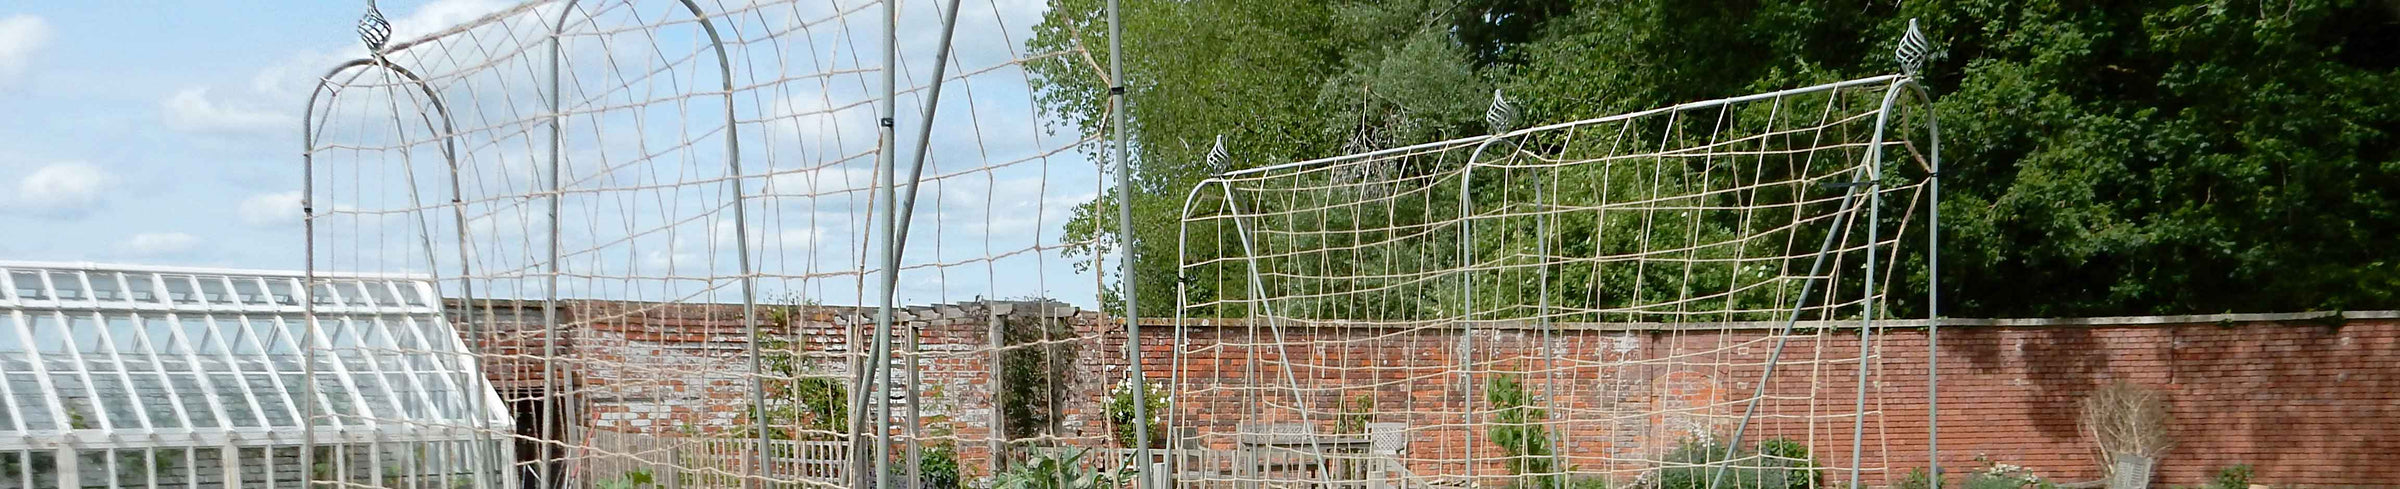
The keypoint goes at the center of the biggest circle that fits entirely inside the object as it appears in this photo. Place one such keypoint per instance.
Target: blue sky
(167, 134)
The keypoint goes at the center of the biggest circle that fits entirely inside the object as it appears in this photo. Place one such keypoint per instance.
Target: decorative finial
(1501, 115)
(1216, 156)
(373, 29)
(1913, 50)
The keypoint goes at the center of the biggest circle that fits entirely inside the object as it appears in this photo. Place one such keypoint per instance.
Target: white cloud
(192, 110)
(158, 244)
(275, 209)
(62, 189)
(20, 37)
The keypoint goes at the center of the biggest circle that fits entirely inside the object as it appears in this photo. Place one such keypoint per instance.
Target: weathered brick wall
(2305, 402)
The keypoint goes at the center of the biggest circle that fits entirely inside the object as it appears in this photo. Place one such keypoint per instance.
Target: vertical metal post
(880, 353)
(548, 416)
(1125, 254)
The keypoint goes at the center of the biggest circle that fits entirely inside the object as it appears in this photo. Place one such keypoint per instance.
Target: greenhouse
(196, 378)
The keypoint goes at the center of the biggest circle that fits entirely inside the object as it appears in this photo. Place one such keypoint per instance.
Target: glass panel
(139, 288)
(281, 290)
(254, 464)
(157, 401)
(179, 289)
(45, 468)
(409, 292)
(159, 336)
(8, 423)
(68, 285)
(126, 338)
(270, 400)
(382, 292)
(197, 330)
(86, 333)
(104, 287)
(10, 340)
(249, 291)
(208, 468)
(356, 293)
(287, 467)
(213, 290)
(78, 401)
(323, 295)
(93, 468)
(48, 337)
(30, 402)
(116, 396)
(195, 401)
(235, 398)
(174, 467)
(134, 468)
(28, 285)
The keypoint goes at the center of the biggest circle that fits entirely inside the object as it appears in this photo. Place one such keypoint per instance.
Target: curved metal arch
(449, 147)
(741, 232)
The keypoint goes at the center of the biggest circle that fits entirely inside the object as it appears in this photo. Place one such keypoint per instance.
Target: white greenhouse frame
(105, 366)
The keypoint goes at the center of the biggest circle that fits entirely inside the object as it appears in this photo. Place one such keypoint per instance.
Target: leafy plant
(1120, 412)
(1705, 462)
(1355, 415)
(1517, 430)
(1056, 471)
(938, 465)
(2232, 477)
(634, 479)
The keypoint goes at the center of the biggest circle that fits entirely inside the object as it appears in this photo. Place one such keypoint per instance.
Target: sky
(168, 133)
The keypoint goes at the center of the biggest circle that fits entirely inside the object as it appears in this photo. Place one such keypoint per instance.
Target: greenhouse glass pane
(250, 291)
(195, 400)
(234, 396)
(44, 468)
(139, 288)
(157, 400)
(105, 287)
(126, 339)
(48, 337)
(208, 467)
(13, 354)
(323, 295)
(270, 399)
(212, 289)
(77, 399)
(28, 285)
(179, 289)
(280, 291)
(174, 467)
(357, 294)
(68, 285)
(382, 292)
(30, 403)
(86, 333)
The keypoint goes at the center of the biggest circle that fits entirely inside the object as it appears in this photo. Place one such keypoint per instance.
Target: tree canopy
(2126, 157)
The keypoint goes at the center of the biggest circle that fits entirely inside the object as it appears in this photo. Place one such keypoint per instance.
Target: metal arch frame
(741, 231)
(1895, 86)
(309, 282)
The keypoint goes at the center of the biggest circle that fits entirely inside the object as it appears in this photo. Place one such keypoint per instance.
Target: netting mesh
(1582, 303)
(598, 203)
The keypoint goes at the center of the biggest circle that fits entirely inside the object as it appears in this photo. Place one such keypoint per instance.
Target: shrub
(1055, 471)
(2234, 477)
(938, 465)
(1120, 412)
(1775, 464)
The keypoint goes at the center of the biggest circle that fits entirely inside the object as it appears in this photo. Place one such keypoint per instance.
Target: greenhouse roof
(102, 356)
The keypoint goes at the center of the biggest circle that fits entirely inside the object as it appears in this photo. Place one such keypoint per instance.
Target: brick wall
(2307, 402)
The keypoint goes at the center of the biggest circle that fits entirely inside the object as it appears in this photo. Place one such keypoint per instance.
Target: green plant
(1916, 479)
(1056, 471)
(1706, 462)
(1517, 430)
(634, 479)
(1355, 415)
(1120, 412)
(1034, 373)
(2233, 477)
(795, 397)
(1995, 475)
(937, 464)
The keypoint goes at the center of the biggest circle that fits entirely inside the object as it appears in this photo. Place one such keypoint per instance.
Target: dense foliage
(2130, 157)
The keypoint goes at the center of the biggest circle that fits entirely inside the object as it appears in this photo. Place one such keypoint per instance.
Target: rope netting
(655, 225)
(1594, 302)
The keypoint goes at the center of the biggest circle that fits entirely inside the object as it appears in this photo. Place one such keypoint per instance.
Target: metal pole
(905, 212)
(549, 420)
(1125, 254)
(880, 355)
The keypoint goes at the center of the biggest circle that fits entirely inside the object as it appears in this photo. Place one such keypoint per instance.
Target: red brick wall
(2306, 403)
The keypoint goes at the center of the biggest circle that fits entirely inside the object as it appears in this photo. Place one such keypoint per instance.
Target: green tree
(2134, 157)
